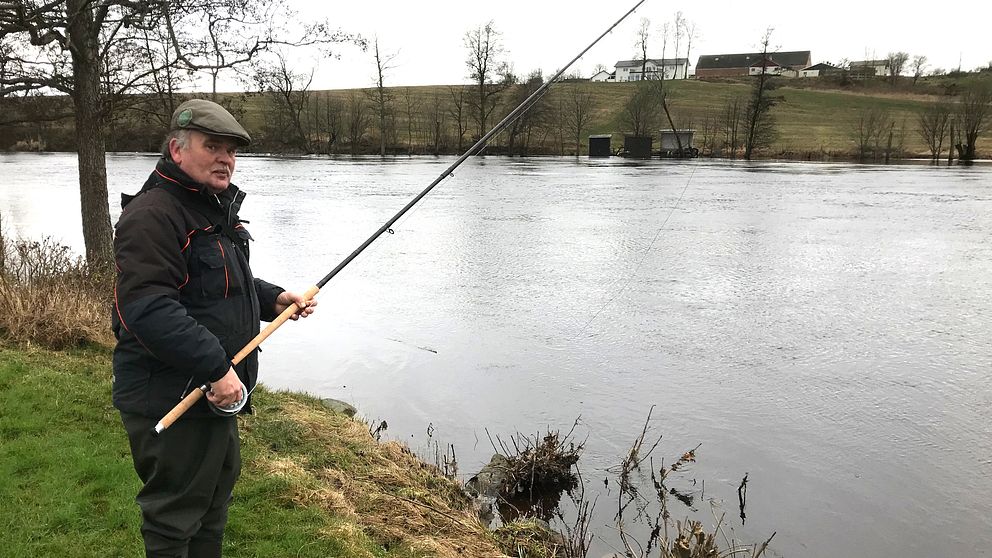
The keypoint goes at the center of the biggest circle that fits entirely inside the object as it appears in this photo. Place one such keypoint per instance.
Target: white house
(603, 75)
(653, 68)
(869, 68)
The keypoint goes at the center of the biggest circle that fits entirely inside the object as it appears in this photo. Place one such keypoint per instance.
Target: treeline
(800, 123)
(420, 120)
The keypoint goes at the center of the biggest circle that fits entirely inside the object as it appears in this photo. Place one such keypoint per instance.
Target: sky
(427, 37)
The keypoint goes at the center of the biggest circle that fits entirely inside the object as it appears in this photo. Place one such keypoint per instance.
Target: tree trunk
(91, 147)
(888, 146)
(950, 148)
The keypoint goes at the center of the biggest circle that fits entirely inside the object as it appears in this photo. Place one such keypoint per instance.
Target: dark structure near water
(599, 145)
(638, 147)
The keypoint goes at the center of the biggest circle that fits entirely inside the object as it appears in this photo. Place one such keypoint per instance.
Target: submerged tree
(934, 120)
(641, 111)
(869, 130)
(519, 132)
(973, 118)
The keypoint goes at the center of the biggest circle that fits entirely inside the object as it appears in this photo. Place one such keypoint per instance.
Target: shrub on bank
(51, 298)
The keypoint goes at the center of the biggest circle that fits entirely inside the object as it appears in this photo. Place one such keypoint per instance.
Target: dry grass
(332, 462)
(49, 298)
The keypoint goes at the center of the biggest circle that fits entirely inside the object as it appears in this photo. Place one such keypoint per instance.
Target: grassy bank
(314, 483)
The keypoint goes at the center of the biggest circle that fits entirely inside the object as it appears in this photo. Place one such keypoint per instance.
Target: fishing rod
(527, 103)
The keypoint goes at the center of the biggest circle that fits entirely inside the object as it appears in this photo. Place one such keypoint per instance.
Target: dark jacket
(185, 301)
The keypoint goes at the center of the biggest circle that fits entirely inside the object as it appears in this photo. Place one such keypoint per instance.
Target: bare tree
(872, 125)
(679, 31)
(381, 97)
(436, 123)
(488, 71)
(215, 36)
(579, 104)
(641, 111)
(760, 127)
(733, 118)
(357, 119)
(289, 94)
(691, 33)
(411, 110)
(919, 66)
(974, 115)
(641, 44)
(519, 132)
(458, 110)
(62, 46)
(332, 123)
(897, 64)
(167, 77)
(934, 120)
(89, 50)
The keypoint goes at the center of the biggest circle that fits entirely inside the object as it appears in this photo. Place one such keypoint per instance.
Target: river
(822, 328)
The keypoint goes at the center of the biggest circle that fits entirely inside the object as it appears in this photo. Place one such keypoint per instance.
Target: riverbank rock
(487, 483)
(339, 407)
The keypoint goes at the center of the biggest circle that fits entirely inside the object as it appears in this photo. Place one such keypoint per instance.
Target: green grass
(67, 484)
(66, 478)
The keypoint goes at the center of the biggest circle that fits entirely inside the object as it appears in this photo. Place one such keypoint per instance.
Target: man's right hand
(225, 391)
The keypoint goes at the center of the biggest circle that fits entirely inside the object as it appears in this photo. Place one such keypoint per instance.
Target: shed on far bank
(599, 145)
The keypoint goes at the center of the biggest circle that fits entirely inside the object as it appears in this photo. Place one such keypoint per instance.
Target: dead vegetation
(50, 298)
(669, 537)
(332, 462)
(538, 466)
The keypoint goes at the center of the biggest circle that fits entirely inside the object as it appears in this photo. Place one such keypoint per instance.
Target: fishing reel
(233, 408)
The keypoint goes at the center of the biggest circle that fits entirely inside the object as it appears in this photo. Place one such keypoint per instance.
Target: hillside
(813, 121)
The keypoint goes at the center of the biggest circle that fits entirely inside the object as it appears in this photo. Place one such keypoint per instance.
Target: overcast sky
(428, 36)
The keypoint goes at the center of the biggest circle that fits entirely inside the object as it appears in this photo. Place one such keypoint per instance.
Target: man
(185, 303)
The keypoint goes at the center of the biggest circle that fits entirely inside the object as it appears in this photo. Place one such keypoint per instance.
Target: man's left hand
(287, 299)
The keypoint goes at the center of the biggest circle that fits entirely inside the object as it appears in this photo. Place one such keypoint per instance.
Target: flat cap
(208, 117)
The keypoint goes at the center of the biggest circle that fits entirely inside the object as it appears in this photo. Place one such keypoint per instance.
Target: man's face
(207, 159)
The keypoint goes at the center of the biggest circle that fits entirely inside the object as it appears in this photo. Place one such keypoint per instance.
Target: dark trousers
(188, 473)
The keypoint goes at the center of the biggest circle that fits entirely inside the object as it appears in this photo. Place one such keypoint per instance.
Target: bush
(49, 297)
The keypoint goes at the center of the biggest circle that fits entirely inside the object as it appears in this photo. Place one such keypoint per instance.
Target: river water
(822, 328)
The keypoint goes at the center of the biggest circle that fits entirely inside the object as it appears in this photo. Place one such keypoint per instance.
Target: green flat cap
(208, 117)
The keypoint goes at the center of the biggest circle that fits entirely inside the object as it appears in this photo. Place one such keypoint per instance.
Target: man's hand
(287, 299)
(225, 391)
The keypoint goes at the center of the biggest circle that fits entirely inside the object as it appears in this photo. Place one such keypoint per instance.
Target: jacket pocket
(214, 275)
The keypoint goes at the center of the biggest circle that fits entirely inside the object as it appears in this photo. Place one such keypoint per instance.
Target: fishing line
(311, 292)
(640, 262)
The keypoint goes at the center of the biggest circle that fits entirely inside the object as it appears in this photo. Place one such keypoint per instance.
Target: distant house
(603, 75)
(653, 68)
(864, 69)
(733, 65)
(771, 67)
(821, 69)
